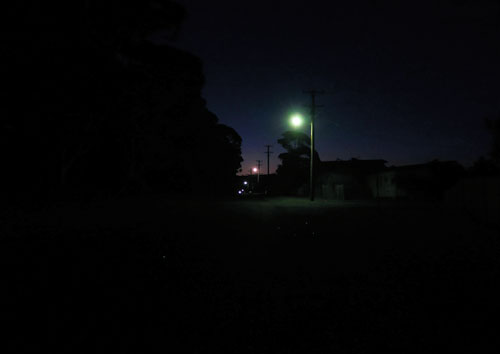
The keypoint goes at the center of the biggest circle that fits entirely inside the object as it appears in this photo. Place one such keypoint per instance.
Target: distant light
(255, 169)
(239, 192)
(245, 182)
(296, 120)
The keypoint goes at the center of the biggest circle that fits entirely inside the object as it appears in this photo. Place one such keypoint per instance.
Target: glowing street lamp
(296, 120)
(256, 170)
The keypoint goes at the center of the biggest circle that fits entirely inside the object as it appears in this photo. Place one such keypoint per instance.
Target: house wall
(331, 186)
(342, 186)
(401, 183)
(414, 182)
(382, 185)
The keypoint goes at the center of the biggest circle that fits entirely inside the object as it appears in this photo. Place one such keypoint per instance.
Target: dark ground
(251, 276)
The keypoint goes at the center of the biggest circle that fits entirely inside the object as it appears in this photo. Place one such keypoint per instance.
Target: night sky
(405, 81)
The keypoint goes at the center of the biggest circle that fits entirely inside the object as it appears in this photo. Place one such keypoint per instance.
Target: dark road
(256, 276)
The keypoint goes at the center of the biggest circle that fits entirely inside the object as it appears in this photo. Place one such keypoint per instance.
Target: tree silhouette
(493, 126)
(293, 171)
(115, 110)
(489, 166)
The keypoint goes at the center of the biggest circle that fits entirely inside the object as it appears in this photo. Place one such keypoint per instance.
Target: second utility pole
(311, 165)
(268, 152)
(258, 170)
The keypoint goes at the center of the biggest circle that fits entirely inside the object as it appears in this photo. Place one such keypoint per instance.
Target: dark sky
(406, 81)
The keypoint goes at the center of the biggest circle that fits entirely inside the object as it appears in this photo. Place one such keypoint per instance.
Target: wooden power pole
(313, 106)
(268, 152)
(258, 170)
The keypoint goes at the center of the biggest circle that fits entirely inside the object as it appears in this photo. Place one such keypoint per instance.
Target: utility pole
(258, 170)
(268, 181)
(268, 152)
(313, 106)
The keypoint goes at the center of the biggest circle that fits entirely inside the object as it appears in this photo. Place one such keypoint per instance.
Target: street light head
(296, 120)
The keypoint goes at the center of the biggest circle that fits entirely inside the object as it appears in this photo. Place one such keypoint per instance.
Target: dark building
(367, 179)
(347, 179)
(425, 181)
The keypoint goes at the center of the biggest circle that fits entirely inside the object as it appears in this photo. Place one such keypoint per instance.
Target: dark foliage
(493, 126)
(293, 172)
(489, 166)
(112, 111)
(484, 167)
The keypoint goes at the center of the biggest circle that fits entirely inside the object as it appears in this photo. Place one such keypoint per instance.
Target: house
(368, 179)
(420, 181)
(347, 179)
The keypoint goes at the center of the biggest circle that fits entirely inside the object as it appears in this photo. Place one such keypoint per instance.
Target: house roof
(353, 165)
(436, 164)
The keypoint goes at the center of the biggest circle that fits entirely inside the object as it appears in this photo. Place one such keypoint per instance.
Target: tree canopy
(115, 110)
(493, 126)
(293, 171)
